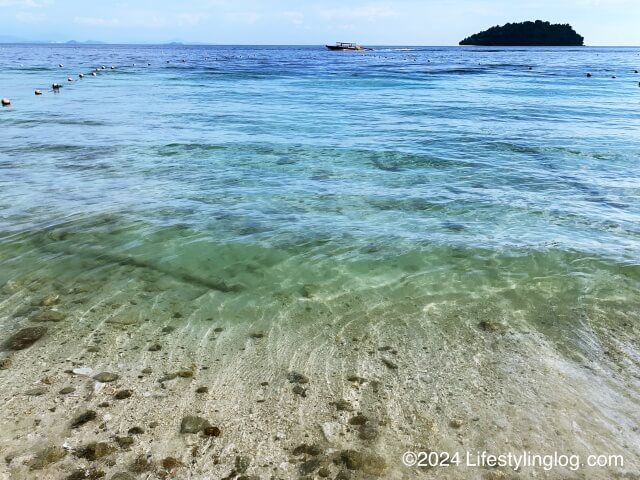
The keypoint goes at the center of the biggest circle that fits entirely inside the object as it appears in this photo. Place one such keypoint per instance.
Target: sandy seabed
(153, 382)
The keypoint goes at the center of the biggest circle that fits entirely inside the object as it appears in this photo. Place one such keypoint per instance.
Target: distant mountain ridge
(529, 34)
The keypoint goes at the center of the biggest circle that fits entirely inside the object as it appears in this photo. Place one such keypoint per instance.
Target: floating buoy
(103, 67)
(112, 67)
(589, 75)
(81, 75)
(69, 79)
(61, 65)
(38, 92)
(56, 86)
(635, 71)
(94, 74)
(6, 102)
(613, 76)
(530, 68)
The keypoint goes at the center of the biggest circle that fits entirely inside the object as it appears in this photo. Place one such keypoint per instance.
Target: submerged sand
(159, 381)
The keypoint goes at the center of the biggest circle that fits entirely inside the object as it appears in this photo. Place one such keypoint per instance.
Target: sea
(457, 226)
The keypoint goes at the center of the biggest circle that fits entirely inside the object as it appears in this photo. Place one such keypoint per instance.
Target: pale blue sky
(399, 22)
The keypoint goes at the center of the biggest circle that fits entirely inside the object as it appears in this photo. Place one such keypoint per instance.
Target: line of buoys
(6, 102)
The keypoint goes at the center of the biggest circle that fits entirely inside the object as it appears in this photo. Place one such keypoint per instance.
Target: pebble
(50, 300)
(202, 390)
(5, 363)
(123, 394)
(67, 390)
(324, 472)
(84, 417)
(95, 451)
(331, 431)
(369, 431)
(212, 431)
(49, 316)
(193, 424)
(455, 423)
(301, 391)
(372, 465)
(356, 379)
(242, 463)
(122, 476)
(141, 464)
(106, 377)
(358, 420)
(171, 463)
(124, 442)
(491, 326)
(82, 371)
(155, 348)
(46, 457)
(36, 392)
(310, 466)
(343, 406)
(295, 377)
(389, 364)
(304, 449)
(25, 338)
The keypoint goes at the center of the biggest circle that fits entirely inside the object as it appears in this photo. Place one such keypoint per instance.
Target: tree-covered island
(530, 34)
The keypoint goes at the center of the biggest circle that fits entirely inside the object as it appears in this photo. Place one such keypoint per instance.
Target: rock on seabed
(24, 338)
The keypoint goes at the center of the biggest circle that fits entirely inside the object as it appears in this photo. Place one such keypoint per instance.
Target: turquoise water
(454, 159)
(286, 186)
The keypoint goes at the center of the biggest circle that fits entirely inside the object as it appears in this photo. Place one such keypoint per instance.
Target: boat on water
(347, 46)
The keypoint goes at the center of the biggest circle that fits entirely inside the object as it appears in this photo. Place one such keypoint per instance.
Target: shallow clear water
(455, 170)
(431, 187)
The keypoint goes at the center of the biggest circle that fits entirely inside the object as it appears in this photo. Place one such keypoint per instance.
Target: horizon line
(76, 43)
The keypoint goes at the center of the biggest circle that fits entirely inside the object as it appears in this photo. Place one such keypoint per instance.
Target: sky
(307, 22)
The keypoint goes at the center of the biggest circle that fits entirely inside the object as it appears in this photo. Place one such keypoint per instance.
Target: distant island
(529, 34)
